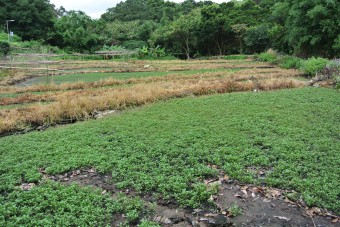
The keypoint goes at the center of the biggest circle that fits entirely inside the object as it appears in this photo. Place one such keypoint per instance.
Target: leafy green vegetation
(4, 48)
(290, 62)
(313, 65)
(168, 148)
(187, 29)
(235, 210)
(268, 56)
(53, 204)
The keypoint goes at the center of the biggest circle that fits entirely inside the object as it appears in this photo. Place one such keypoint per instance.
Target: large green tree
(34, 19)
(310, 27)
(224, 25)
(180, 35)
(76, 31)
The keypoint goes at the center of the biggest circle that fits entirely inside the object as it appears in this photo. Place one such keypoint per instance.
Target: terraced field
(174, 140)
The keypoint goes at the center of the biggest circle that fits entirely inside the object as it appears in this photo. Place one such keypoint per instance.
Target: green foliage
(257, 39)
(235, 210)
(76, 32)
(268, 56)
(224, 26)
(112, 48)
(310, 27)
(53, 204)
(4, 37)
(34, 19)
(290, 62)
(146, 223)
(134, 44)
(313, 65)
(179, 35)
(5, 48)
(298, 128)
(151, 53)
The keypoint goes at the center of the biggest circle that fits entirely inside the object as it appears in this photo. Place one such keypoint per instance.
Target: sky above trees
(95, 8)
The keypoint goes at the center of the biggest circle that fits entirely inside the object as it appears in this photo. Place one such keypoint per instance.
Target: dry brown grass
(240, 75)
(75, 107)
(31, 69)
(76, 101)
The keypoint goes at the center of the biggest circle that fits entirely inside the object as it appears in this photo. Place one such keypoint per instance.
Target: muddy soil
(235, 205)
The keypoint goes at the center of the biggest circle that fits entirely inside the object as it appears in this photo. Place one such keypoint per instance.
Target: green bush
(313, 65)
(4, 37)
(269, 56)
(290, 62)
(4, 48)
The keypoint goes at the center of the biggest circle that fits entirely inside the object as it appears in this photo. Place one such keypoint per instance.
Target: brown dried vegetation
(78, 101)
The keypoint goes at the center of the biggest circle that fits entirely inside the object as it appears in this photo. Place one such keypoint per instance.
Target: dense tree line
(186, 29)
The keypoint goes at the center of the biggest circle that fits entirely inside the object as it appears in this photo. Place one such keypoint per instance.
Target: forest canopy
(303, 28)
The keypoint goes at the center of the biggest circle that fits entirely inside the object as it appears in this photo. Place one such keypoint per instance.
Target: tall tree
(311, 27)
(77, 32)
(34, 19)
(181, 34)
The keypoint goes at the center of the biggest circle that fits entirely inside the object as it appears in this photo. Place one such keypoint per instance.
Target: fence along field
(46, 104)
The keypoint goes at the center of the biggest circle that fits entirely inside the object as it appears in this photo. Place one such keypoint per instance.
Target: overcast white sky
(94, 8)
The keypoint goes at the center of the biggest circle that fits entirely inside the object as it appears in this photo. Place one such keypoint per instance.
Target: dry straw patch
(78, 101)
(241, 75)
(75, 106)
(30, 69)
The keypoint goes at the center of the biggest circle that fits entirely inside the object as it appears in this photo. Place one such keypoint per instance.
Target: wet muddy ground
(235, 205)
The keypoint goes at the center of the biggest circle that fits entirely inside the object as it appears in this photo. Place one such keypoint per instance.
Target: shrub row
(330, 69)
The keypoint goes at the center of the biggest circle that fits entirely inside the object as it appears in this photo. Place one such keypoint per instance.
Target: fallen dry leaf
(245, 193)
(27, 186)
(237, 195)
(282, 218)
(313, 211)
(211, 215)
(224, 179)
(274, 193)
(289, 201)
(162, 219)
(335, 220)
(211, 181)
(91, 170)
(266, 200)
(254, 190)
(244, 188)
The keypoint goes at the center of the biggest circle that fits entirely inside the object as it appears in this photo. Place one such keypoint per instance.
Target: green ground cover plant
(167, 148)
(313, 65)
(53, 204)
